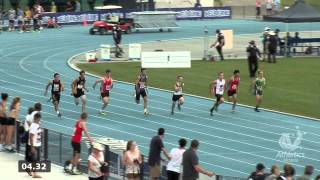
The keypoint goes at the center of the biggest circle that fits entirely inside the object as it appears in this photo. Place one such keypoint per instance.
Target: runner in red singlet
(80, 126)
(233, 88)
(106, 86)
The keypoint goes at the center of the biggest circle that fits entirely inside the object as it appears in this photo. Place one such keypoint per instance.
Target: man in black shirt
(190, 163)
(154, 159)
(272, 47)
(117, 36)
(219, 43)
(259, 173)
(253, 55)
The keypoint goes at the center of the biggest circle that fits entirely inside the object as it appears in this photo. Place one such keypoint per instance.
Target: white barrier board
(134, 51)
(90, 56)
(169, 59)
(105, 51)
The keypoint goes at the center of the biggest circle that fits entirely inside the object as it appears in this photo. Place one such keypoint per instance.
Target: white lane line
(177, 128)
(124, 132)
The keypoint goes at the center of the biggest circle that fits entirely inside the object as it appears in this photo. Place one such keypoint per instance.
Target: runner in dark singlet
(78, 87)
(141, 89)
(56, 88)
(233, 88)
(107, 84)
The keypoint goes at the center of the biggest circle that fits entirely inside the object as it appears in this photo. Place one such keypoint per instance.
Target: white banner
(169, 59)
(134, 51)
(105, 52)
(90, 56)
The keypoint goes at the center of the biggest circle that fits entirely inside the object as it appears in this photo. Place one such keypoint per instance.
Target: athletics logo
(290, 144)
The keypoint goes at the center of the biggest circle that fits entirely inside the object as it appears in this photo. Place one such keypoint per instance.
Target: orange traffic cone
(85, 23)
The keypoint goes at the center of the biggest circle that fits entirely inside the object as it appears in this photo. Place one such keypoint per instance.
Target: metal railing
(56, 147)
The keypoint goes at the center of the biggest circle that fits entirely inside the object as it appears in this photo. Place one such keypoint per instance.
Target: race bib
(56, 87)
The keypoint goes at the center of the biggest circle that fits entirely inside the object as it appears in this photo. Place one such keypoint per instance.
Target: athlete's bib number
(142, 85)
(107, 87)
(80, 86)
(234, 87)
(56, 87)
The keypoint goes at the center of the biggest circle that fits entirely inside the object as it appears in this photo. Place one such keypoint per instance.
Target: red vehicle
(103, 27)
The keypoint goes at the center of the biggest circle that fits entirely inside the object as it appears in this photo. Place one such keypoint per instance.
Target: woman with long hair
(132, 160)
(11, 120)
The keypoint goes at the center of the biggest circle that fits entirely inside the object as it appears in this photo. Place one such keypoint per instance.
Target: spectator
(11, 17)
(37, 109)
(36, 18)
(20, 16)
(40, 11)
(259, 174)
(269, 5)
(275, 173)
(287, 43)
(277, 6)
(174, 165)
(308, 171)
(317, 178)
(33, 150)
(197, 4)
(25, 135)
(52, 23)
(27, 19)
(26, 125)
(3, 118)
(272, 47)
(69, 7)
(79, 127)
(253, 56)
(95, 162)
(10, 124)
(154, 160)
(53, 7)
(288, 172)
(190, 163)
(265, 41)
(219, 43)
(77, 6)
(297, 36)
(132, 160)
(91, 4)
(258, 9)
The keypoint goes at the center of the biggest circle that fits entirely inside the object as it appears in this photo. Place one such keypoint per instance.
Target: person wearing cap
(253, 56)
(219, 43)
(95, 162)
(272, 47)
(259, 174)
